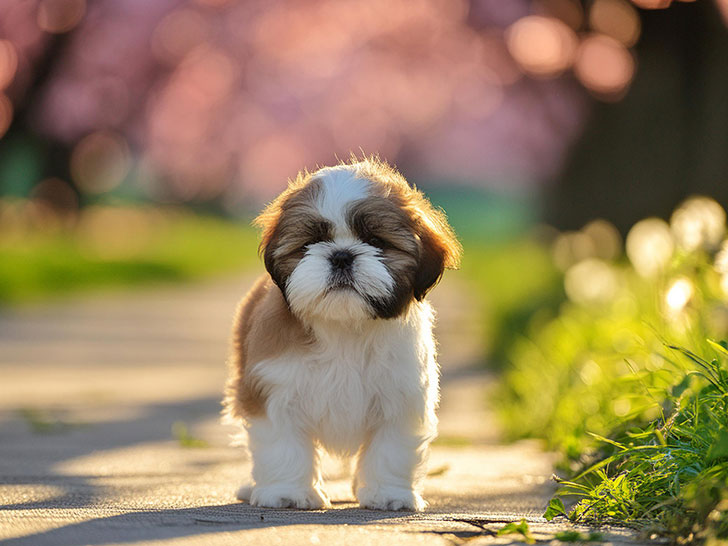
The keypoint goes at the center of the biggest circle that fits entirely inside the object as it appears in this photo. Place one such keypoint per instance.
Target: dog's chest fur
(349, 382)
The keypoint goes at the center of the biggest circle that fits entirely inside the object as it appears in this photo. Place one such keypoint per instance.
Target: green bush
(626, 384)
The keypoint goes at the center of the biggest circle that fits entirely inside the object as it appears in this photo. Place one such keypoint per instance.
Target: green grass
(670, 474)
(633, 394)
(520, 528)
(117, 247)
(43, 422)
(181, 433)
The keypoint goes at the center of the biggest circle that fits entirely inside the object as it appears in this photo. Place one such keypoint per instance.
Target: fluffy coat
(333, 348)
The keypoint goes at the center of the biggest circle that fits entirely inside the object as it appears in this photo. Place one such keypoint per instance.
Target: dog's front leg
(390, 469)
(285, 466)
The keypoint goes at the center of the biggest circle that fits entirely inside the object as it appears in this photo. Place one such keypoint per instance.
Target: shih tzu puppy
(333, 348)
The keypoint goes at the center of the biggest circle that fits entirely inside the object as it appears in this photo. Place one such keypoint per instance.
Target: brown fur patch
(439, 247)
(289, 223)
(380, 222)
(264, 328)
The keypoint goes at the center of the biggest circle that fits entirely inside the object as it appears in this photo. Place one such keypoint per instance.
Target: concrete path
(109, 434)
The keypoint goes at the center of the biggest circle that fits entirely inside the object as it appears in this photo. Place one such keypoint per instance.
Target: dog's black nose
(342, 259)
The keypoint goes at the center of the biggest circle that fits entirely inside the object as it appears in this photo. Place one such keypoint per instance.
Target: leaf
(709, 372)
(606, 440)
(520, 528)
(555, 508)
(721, 346)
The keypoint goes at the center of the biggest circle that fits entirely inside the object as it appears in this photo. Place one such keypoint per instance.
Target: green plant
(43, 422)
(520, 528)
(626, 384)
(181, 433)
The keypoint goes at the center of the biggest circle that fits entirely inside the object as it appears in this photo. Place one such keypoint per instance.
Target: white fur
(366, 387)
(307, 286)
(341, 187)
(369, 388)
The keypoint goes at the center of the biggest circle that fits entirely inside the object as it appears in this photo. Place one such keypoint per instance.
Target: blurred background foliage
(215, 103)
(507, 114)
(629, 380)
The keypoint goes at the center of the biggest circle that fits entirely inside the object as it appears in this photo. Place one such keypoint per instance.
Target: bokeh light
(679, 294)
(650, 246)
(8, 63)
(621, 406)
(699, 222)
(591, 281)
(58, 16)
(605, 237)
(723, 8)
(542, 46)
(590, 372)
(604, 65)
(572, 247)
(721, 259)
(53, 205)
(56, 193)
(615, 18)
(724, 284)
(100, 162)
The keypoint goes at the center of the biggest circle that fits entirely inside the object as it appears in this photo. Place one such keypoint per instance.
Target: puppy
(333, 348)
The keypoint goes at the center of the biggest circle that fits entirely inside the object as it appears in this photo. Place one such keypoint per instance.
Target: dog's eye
(304, 246)
(377, 242)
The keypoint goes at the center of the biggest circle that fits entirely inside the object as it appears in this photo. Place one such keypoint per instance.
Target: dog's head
(355, 241)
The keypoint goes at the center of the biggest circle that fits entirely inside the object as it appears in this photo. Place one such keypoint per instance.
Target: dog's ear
(268, 221)
(439, 248)
(270, 262)
(280, 219)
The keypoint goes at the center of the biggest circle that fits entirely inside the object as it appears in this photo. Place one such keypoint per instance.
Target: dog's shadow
(82, 493)
(176, 523)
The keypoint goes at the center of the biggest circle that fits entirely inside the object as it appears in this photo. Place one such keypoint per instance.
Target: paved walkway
(104, 400)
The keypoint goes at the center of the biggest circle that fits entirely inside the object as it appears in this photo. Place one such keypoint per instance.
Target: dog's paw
(390, 498)
(289, 496)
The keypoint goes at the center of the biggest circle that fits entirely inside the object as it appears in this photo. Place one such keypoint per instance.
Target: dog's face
(355, 242)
